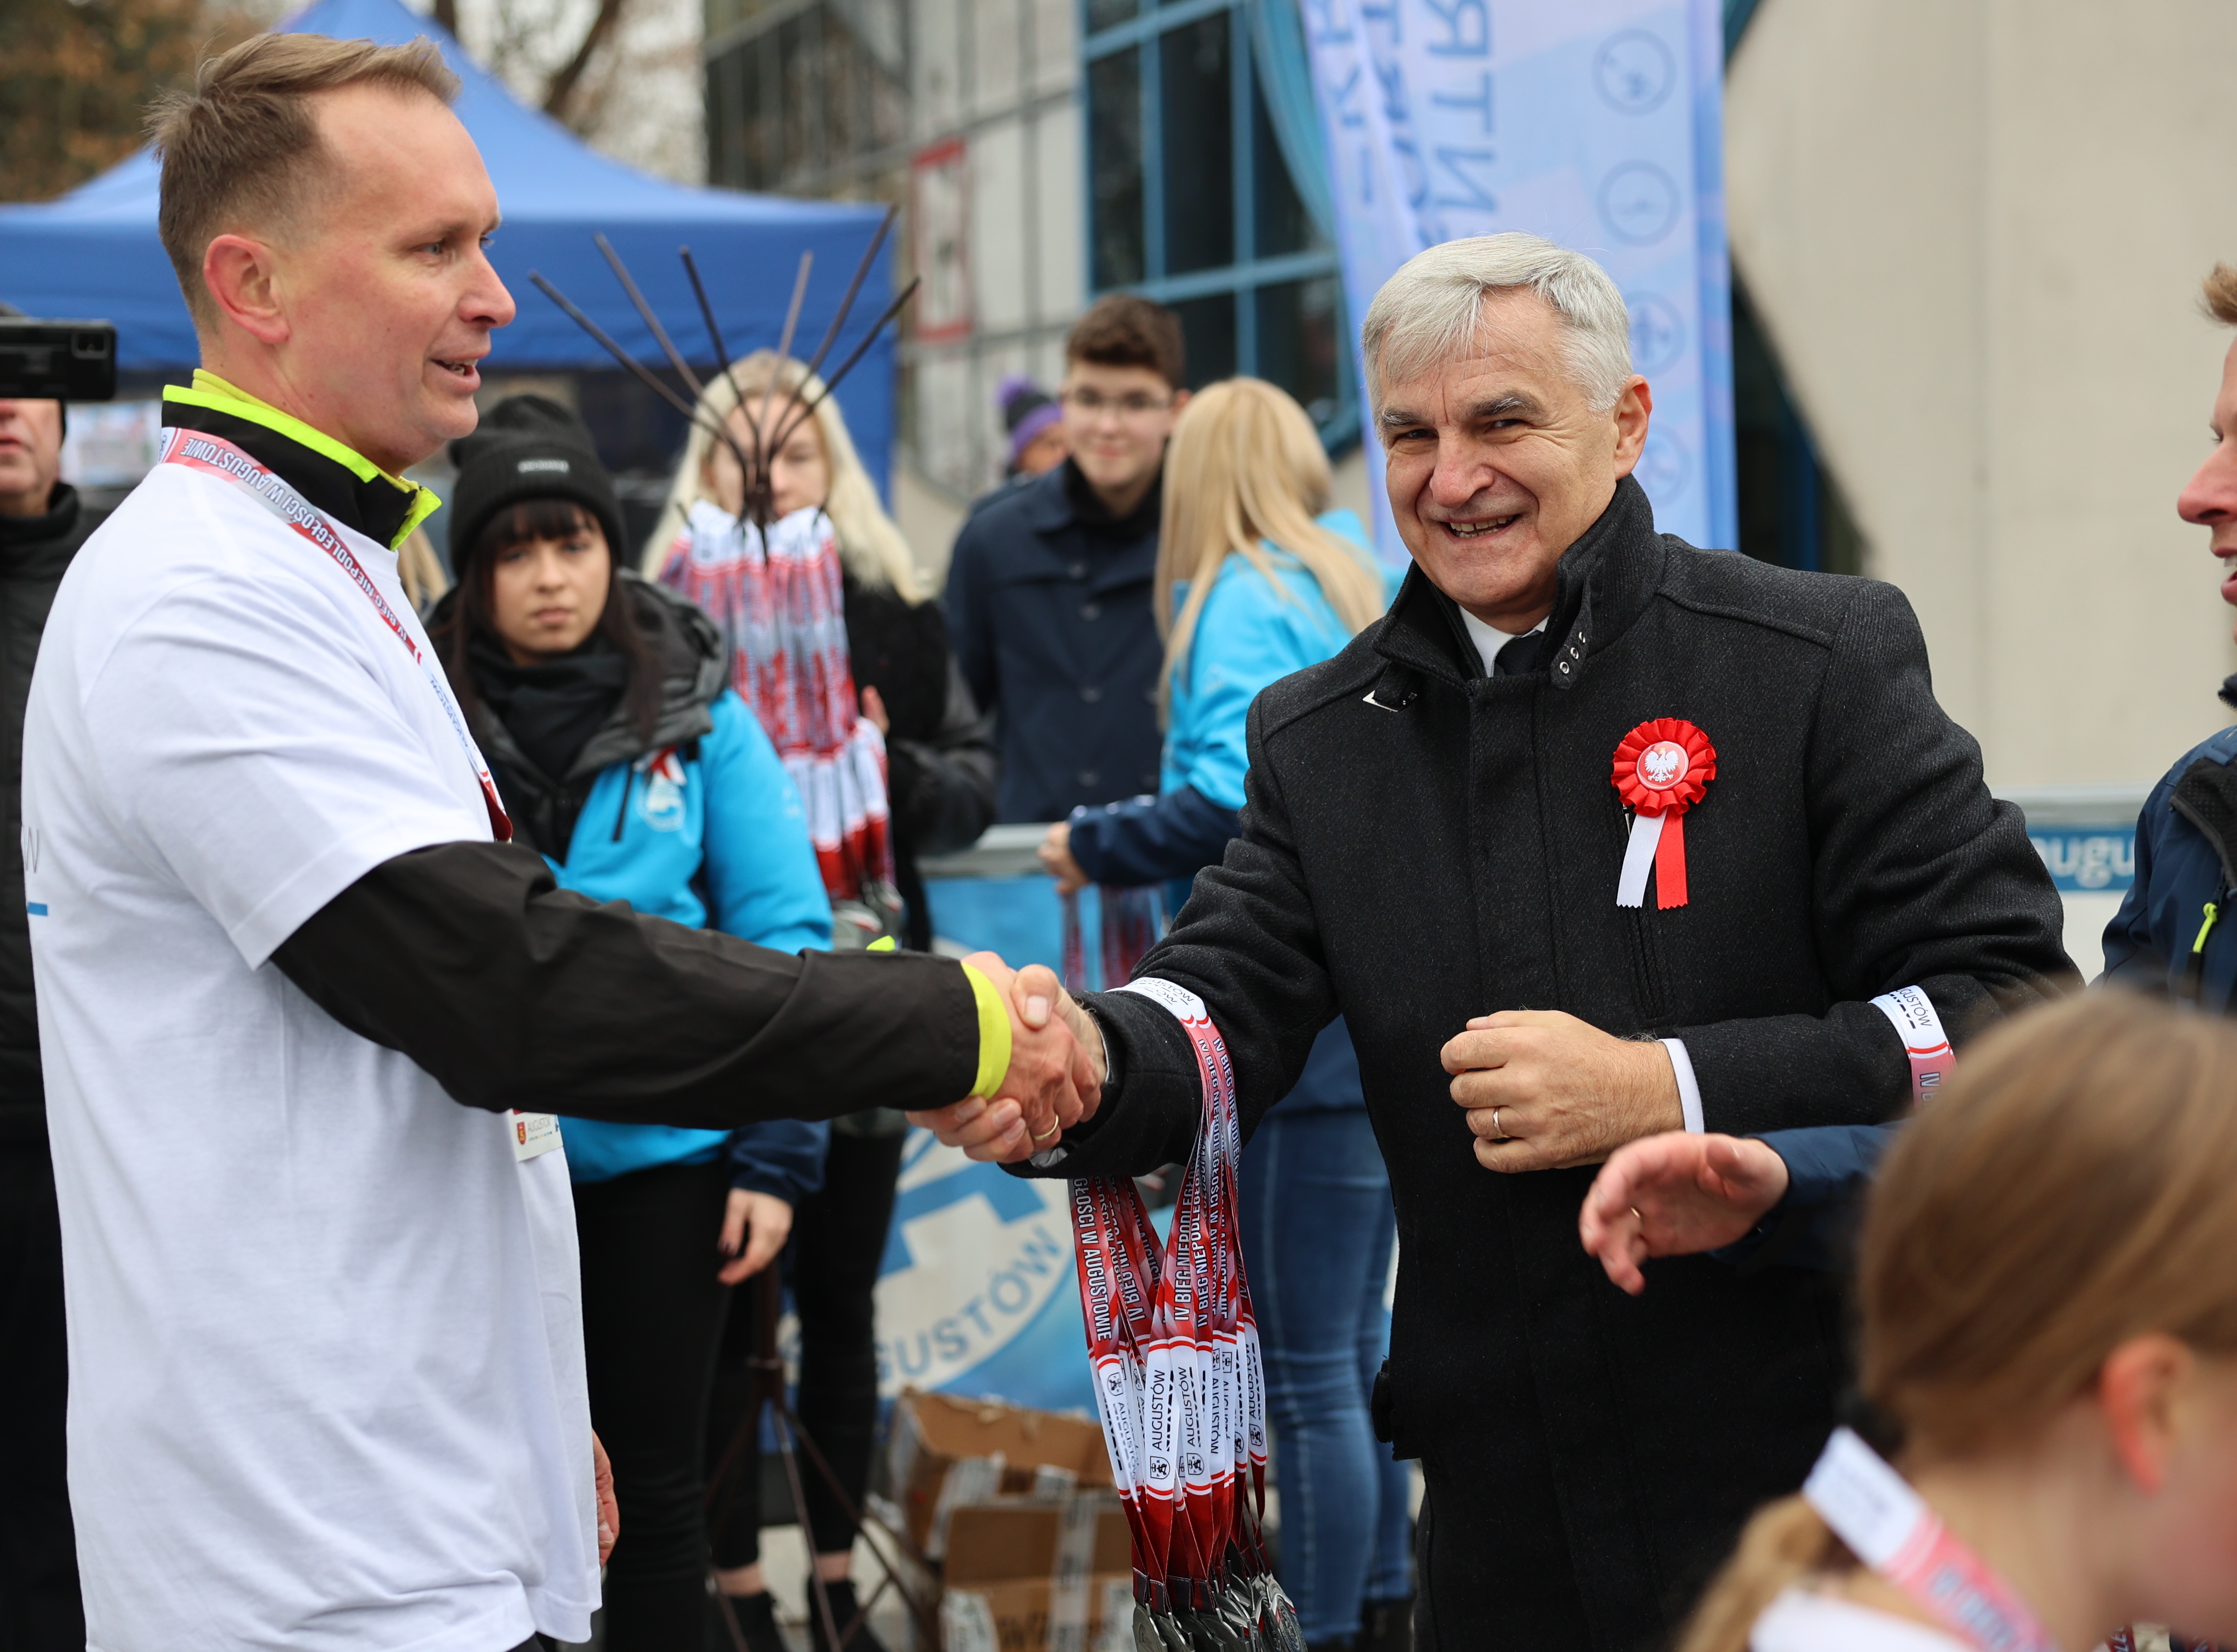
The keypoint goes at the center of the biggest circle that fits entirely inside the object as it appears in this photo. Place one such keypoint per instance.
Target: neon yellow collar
(213, 393)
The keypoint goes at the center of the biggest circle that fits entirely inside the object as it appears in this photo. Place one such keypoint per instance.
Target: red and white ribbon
(1662, 769)
(1888, 1527)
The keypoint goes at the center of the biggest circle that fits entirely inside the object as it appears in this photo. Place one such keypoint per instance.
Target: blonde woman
(1256, 580)
(2049, 1338)
(825, 601)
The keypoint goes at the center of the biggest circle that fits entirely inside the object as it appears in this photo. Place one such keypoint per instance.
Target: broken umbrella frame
(756, 461)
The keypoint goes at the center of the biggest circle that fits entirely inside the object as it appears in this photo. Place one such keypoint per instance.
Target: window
(1791, 514)
(806, 99)
(1191, 202)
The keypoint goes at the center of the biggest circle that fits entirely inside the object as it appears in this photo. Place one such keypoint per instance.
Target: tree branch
(561, 92)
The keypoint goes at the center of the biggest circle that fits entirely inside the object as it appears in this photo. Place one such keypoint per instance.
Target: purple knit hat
(1027, 410)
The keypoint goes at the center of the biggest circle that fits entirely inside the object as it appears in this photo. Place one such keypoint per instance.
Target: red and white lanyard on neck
(1888, 1527)
(214, 456)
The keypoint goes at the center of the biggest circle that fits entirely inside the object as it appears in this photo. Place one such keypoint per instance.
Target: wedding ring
(1053, 1133)
(1495, 1124)
(1636, 1216)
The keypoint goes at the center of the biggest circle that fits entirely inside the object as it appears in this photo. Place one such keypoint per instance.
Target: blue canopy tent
(93, 253)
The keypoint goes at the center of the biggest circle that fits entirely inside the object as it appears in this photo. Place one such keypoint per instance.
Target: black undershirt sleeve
(513, 993)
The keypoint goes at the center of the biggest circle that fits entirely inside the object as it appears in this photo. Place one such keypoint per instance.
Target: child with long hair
(2049, 1342)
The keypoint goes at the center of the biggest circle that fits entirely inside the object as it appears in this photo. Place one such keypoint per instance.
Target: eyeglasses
(1136, 404)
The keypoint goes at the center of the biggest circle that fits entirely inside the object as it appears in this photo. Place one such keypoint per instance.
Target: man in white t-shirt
(306, 1012)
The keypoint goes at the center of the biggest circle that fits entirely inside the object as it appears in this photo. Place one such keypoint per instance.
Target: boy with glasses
(1048, 592)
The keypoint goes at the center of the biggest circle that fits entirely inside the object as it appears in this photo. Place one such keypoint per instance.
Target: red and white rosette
(1662, 769)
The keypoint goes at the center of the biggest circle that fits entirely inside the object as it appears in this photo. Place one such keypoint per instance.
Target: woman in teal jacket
(600, 702)
(1250, 587)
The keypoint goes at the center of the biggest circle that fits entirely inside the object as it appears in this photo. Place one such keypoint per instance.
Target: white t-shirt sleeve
(248, 746)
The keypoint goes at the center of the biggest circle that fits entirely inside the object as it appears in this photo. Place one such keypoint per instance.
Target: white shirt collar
(1490, 639)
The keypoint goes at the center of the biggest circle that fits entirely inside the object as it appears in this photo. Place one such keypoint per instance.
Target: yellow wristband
(993, 1034)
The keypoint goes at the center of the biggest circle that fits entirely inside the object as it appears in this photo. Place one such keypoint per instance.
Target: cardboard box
(998, 1542)
(1020, 1616)
(944, 1452)
(1039, 1576)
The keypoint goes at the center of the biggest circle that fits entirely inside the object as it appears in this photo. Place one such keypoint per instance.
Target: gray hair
(1426, 312)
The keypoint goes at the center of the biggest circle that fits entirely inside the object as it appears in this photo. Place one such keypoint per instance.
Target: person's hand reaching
(609, 1510)
(759, 1222)
(1674, 1195)
(1055, 856)
(874, 710)
(1055, 1078)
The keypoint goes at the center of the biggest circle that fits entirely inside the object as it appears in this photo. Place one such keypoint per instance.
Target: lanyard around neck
(1888, 1526)
(214, 456)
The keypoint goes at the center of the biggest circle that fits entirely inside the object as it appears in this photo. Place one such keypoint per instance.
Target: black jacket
(939, 751)
(1453, 848)
(1048, 605)
(34, 552)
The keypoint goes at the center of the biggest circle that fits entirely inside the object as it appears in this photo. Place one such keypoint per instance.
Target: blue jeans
(1317, 1231)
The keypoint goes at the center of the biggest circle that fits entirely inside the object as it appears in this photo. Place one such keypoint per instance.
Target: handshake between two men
(1055, 1076)
(1541, 1090)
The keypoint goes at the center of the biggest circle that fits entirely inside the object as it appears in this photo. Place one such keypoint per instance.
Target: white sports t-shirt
(326, 1384)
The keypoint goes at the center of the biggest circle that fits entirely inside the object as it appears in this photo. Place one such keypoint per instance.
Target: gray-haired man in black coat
(1435, 846)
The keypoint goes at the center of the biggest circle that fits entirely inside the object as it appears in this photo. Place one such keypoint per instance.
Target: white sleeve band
(1924, 1044)
(1180, 1001)
(1689, 1088)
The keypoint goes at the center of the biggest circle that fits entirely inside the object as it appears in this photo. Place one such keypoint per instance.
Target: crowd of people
(433, 987)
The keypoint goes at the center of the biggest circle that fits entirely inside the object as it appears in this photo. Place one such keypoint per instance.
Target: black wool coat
(1452, 847)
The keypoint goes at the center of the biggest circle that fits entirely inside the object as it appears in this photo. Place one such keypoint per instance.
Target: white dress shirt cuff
(1689, 1091)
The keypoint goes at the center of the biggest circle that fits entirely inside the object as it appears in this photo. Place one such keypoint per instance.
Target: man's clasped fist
(1055, 1077)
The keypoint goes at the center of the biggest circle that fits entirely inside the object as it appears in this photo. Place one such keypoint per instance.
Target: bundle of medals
(1132, 921)
(1175, 1348)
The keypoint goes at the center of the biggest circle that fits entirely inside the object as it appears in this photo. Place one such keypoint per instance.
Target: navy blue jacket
(1048, 610)
(2172, 936)
(1828, 1169)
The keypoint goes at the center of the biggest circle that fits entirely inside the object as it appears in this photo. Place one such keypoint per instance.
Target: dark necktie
(1520, 656)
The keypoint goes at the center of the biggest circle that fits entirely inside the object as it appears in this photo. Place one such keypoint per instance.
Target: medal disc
(1662, 766)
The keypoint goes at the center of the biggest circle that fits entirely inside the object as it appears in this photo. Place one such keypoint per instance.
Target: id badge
(534, 1134)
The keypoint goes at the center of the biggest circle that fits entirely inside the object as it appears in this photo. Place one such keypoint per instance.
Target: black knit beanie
(528, 448)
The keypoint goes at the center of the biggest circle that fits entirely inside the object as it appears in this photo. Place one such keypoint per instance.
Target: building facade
(1975, 233)
(1044, 153)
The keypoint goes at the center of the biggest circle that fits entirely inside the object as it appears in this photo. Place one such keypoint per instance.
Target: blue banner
(977, 1295)
(1595, 123)
(2088, 859)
